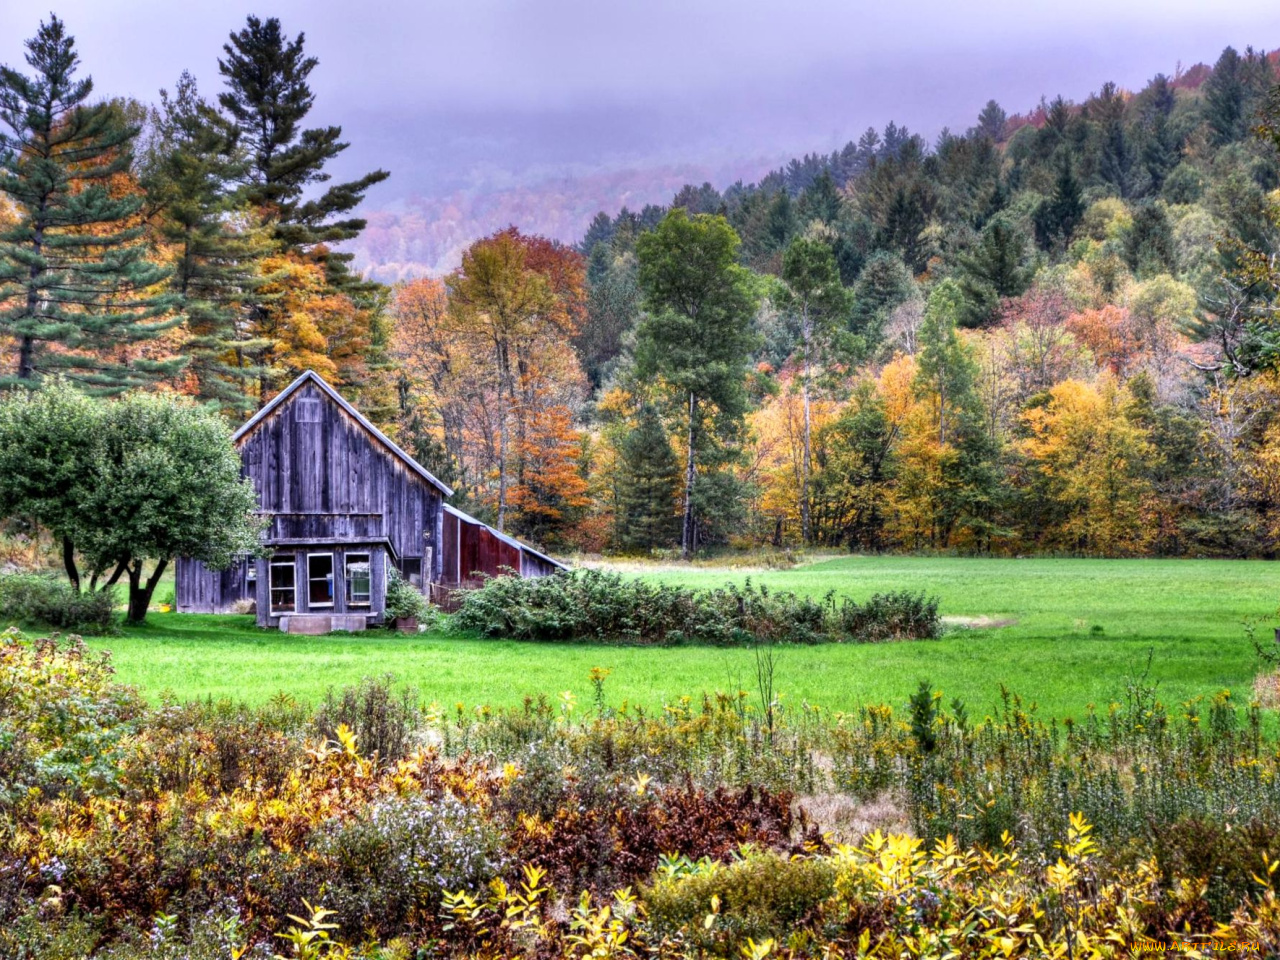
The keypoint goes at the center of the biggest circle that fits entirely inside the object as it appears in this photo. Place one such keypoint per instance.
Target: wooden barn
(343, 503)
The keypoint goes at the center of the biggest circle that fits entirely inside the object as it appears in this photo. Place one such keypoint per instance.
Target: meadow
(1062, 633)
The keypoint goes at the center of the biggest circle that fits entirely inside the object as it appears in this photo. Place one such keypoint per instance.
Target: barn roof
(511, 541)
(310, 376)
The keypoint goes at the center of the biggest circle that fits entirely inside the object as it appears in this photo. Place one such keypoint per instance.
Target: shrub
(216, 746)
(595, 605)
(892, 616)
(388, 869)
(62, 718)
(404, 600)
(382, 720)
(757, 896)
(49, 601)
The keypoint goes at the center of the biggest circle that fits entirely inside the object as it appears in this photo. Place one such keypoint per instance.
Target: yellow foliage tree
(1093, 461)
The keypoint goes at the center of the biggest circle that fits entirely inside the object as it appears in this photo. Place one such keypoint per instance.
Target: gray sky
(487, 93)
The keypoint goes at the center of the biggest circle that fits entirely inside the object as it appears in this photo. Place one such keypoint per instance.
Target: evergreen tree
(74, 268)
(1117, 159)
(268, 98)
(1149, 247)
(1057, 215)
(991, 122)
(820, 200)
(996, 268)
(780, 222)
(648, 484)
(1161, 149)
(613, 306)
(215, 246)
(884, 284)
(697, 336)
(1224, 99)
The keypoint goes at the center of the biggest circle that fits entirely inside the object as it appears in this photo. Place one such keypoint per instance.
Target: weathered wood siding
(310, 459)
(323, 480)
(200, 590)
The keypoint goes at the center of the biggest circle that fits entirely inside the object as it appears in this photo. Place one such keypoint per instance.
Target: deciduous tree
(697, 335)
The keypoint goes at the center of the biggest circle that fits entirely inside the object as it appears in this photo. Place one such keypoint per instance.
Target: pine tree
(996, 268)
(991, 121)
(76, 284)
(1057, 216)
(1149, 246)
(1224, 98)
(820, 200)
(1161, 149)
(884, 284)
(268, 98)
(215, 245)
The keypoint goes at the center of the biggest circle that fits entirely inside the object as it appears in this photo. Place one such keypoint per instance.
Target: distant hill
(426, 235)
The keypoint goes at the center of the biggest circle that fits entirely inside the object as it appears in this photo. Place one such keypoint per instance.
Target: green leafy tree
(44, 435)
(996, 268)
(813, 293)
(216, 247)
(944, 369)
(697, 335)
(74, 267)
(649, 480)
(268, 99)
(142, 478)
(855, 473)
(163, 481)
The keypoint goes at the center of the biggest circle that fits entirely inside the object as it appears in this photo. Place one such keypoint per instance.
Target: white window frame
(333, 594)
(347, 560)
(271, 589)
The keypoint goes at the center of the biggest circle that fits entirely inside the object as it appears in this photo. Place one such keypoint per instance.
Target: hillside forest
(1051, 332)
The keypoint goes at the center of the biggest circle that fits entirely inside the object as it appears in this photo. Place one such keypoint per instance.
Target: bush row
(602, 606)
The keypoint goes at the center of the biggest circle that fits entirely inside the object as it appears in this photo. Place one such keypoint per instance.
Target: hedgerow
(608, 607)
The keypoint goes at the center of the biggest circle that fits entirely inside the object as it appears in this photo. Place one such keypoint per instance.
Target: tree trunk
(807, 466)
(506, 396)
(140, 592)
(69, 563)
(26, 349)
(686, 539)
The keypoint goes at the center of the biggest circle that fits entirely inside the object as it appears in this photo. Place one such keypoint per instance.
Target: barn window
(358, 585)
(251, 577)
(284, 590)
(320, 580)
(411, 570)
(307, 410)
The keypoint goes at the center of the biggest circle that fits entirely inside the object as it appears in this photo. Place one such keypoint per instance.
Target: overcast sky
(488, 91)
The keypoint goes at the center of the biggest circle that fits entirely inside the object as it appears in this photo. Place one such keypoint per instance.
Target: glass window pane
(283, 596)
(320, 580)
(358, 581)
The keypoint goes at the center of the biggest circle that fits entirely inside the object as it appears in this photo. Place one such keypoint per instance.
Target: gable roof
(511, 541)
(310, 376)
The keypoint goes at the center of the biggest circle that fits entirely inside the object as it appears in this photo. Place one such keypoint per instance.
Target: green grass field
(1082, 628)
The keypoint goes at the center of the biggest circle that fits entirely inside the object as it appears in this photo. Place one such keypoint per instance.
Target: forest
(1053, 332)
